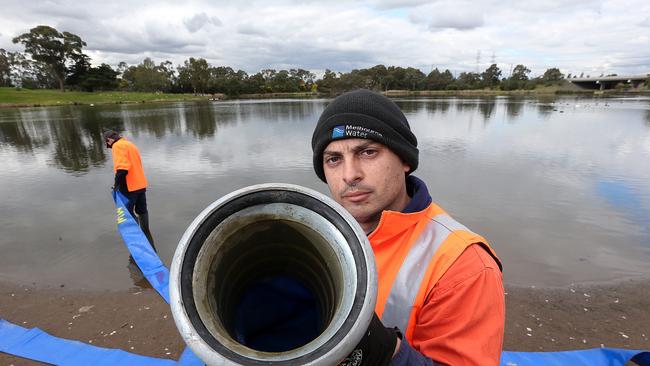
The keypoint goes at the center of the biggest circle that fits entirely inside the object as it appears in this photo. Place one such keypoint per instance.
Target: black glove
(376, 348)
(120, 181)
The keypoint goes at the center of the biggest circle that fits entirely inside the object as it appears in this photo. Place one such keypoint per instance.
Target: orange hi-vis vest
(127, 157)
(413, 251)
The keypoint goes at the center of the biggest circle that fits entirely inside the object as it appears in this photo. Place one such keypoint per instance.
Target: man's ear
(406, 167)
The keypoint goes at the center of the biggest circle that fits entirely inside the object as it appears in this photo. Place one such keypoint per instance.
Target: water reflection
(440, 106)
(24, 136)
(466, 105)
(138, 278)
(486, 107)
(531, 187)
(513, 107)
(545, 109)
(77, 145)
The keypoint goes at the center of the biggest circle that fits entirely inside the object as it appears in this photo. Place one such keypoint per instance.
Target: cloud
(247, 29)
(197, 22)
(460, 21)
(396, 4)
(645, 22)
(448, 15)
(593, 36)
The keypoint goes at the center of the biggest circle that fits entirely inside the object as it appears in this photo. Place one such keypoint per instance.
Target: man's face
(366, 178)
(109, 142)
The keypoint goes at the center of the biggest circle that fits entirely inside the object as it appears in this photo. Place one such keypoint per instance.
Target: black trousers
(137, 202)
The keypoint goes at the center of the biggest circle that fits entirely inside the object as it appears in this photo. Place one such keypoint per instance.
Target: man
(440, 295)
(129, 178)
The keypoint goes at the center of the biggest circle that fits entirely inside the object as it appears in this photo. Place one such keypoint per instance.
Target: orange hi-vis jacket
(127, 157)
(413, 251)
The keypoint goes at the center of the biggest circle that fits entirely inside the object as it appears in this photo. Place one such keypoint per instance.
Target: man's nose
(352, 172)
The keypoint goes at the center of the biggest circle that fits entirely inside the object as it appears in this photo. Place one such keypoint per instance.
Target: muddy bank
(139, 321)
(578, 317)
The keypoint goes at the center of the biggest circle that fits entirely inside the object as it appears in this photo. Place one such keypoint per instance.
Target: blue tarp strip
(38, 345)
(148, 261)
(587, 357)
(188, 358)
(141, 251)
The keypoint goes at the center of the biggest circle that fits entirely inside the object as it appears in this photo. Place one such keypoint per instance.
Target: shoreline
(137, 320)
(92, 99)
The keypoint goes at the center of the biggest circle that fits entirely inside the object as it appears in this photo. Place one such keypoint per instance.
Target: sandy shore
(139, 321)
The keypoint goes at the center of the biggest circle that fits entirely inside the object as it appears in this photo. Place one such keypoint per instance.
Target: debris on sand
(85, 309)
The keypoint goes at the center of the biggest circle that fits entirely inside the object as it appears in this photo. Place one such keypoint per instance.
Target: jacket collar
(393, 222)
(417, 190)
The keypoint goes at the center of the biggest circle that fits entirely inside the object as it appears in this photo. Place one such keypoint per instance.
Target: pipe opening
(259, 253)
(274, 284)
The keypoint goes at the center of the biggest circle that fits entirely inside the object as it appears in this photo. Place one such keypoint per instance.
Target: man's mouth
(356, 196)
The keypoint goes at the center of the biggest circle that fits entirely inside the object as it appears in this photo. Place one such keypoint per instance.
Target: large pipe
(246, 258)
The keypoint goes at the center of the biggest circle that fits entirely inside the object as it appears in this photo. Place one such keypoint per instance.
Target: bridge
(609, 82)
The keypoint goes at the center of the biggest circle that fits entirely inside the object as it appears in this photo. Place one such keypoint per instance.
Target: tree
(518, 79)
(329, 83)
(5, 68)
(224, 79)
(149, 77)
(219, 77)
(520, 73)
(254, 84)
(99, 78)
(197, 73)
(52, 48)
(283, 82)
(468, 80)
(491, 76)
(24, 73)
(552, 75)
(413, 78)
(437, 80)
(379, 77)
(268, 75)
(78, 71)
(304, 78)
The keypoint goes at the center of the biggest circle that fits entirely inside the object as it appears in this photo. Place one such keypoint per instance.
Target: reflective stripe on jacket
(127, 157)
(413, 251)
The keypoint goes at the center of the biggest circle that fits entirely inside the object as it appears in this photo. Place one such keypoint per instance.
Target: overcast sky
(577, 36)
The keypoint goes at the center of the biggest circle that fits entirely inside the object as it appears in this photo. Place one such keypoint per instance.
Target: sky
(577, 36)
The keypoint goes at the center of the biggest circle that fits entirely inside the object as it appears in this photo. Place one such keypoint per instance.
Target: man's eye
(369, 152)
(332, 159)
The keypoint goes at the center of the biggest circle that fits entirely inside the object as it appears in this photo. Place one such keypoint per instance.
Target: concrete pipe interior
(273, 275)
(273, 284)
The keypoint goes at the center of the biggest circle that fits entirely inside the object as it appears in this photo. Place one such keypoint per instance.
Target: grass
(12, 97)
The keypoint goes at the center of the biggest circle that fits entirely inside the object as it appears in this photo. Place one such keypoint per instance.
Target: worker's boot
(143, 220)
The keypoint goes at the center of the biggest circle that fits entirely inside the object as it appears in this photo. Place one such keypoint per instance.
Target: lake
(559, 186)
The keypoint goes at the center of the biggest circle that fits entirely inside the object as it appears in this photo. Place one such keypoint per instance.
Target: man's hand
(376, 348)
(120, 181)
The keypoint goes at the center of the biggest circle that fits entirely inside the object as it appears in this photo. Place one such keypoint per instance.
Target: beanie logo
(355, 131)
(338, 131)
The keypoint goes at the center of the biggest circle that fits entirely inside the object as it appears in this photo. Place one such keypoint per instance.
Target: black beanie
(367, 115)
(110, 134)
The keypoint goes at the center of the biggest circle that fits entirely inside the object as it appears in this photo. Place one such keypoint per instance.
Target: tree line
(53, 59)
